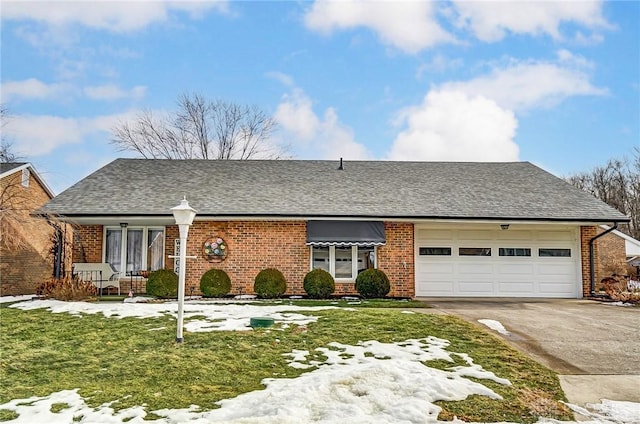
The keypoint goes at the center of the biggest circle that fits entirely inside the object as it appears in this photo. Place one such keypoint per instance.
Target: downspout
(592, 271)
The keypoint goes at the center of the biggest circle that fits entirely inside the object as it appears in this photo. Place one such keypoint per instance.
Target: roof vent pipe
(341, 168)
(592, 271)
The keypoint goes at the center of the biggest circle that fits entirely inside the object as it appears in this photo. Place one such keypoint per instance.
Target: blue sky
(553, 83)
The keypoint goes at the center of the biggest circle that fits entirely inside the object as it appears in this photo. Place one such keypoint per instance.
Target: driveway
(594, 347)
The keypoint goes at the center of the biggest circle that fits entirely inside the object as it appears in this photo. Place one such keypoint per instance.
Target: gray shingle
(376, 189)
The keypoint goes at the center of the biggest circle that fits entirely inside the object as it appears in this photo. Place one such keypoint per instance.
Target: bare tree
(201, 129)
(7, 152)
(617, 184)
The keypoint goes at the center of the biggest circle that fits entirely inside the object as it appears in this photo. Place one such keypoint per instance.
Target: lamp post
(183, 214)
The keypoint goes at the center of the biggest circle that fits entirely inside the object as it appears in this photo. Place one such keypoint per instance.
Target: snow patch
(494, 325)
(217, 316)
(20, 298)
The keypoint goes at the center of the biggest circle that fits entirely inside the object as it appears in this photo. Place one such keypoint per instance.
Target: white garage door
(517, 262)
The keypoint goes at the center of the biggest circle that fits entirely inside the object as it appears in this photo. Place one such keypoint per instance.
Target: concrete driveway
(595, 348)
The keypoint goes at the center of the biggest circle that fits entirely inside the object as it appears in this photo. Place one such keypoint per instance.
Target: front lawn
(135, 361)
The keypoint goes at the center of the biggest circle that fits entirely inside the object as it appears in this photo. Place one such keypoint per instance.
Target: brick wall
(27, 262)
(586, 234)
(611, 257)
(255, 245)
(87, 245)
(396, 258)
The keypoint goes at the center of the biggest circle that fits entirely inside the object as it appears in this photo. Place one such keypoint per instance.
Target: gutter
(592, 271)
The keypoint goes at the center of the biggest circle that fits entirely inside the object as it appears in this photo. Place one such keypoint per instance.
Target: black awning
(345, 233)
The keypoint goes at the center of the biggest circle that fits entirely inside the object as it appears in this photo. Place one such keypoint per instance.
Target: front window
(343, 262)
(113, 248)
(320, 258)
(139, 248)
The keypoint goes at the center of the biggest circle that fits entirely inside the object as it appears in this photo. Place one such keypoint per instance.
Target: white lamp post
(183, 214)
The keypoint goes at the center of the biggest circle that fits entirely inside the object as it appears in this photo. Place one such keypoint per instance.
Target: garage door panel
(518, 269)
(513, 288)
(495, 275)
(555, 269)
(475, 287)
(476, 268)
(442, 288)
(437, 268)
(554, 287)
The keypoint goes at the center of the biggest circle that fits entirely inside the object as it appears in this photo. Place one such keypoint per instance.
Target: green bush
(319, 284)
(215, 283)
(269, 283)
(372, 283)
(163, 283)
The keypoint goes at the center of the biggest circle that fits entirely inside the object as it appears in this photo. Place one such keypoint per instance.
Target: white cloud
(523, 86)
(33, 89)
(491, 21)
(115, 16)
(315, 137)
(453, 126)
(42, 134)
(410, 26)
(113, 92)
(439, 64)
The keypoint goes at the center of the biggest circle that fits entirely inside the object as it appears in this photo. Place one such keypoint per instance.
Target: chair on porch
(102, 275)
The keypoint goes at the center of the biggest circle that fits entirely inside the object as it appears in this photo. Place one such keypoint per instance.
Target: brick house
(26, 240)
(616, 250)
(435, 228)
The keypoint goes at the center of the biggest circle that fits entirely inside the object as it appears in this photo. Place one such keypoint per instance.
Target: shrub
(68, 288)
(319, 284)
(215, 283)
(270, 283)
(163, 283)
(372, 283)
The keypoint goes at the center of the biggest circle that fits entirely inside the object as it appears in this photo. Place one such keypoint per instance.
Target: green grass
(120, 359)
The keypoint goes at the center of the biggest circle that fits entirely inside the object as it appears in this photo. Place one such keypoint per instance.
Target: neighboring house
(616, 249)
(435, 228)
(25, 247)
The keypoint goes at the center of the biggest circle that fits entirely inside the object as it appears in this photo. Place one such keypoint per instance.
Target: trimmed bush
(215, 283)
(319, 284)
(163, 283)
(372, 283)
(269, 283)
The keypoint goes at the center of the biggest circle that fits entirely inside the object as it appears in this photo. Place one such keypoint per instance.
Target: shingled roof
(307, 189)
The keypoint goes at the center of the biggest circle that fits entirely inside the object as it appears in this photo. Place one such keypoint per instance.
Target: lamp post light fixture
(184, 215)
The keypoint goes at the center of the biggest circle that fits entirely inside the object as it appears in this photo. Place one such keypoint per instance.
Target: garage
(497, 261)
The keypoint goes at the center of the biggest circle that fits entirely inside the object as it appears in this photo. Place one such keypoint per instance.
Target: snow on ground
(374, 382)
(494, 325)
(217, 316)
(21, 298)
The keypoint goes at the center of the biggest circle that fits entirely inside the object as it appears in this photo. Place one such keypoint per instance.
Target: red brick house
(616, 252)
(25, 255)
(435, 228)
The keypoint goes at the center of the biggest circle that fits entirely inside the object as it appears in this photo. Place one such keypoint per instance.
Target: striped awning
(345, 233)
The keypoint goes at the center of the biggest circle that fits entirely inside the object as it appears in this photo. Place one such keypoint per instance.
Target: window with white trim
(343, 262)
(138, 248)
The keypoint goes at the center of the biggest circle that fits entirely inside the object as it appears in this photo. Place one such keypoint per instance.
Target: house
(435, 228)
(25, 248)
(617, 251)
